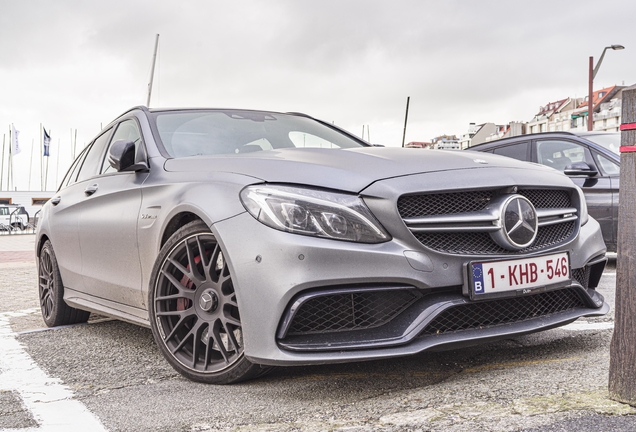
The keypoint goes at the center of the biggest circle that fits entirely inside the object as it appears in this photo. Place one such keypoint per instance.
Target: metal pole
(406, 118)
(590, 107)
(152, 70)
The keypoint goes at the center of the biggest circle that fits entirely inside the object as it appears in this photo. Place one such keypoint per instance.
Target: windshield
(611, 141)
(214, 132)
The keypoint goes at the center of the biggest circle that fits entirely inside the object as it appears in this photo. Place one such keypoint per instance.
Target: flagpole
(46, 176)
(31, 162)
(152, 71)
(10, 176)
(57, 164)
(2, 166)
(41, 158)
(75, 144)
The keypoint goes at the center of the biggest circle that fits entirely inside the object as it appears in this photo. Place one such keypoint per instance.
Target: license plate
(521, 274)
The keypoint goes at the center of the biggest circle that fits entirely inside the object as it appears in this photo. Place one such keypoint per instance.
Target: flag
(47, 142)
(15, 145)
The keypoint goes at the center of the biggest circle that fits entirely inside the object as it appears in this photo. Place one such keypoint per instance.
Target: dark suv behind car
(590, 159)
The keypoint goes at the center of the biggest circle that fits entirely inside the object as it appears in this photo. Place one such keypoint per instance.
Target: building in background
(478, 134)
(568, 114)
(551, 112)
(419, 144)
(608, 117)
(32, 201)
(446, 142)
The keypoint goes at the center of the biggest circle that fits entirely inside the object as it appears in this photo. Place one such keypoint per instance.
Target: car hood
(344, 169)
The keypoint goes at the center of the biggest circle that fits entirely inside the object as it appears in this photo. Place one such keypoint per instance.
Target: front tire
(193, 310)
(55, 311)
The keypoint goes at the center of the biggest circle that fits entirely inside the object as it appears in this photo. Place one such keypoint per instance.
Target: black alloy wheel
(55, 311)
(194, 313)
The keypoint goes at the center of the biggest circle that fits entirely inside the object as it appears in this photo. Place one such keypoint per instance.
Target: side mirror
(122, 157)
(580, 169)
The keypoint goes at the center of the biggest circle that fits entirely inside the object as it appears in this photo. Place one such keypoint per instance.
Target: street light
(593, 72)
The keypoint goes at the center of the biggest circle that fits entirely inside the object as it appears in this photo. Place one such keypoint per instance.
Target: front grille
(582, 276)
(350, 311)
(492, 313)
(446, 203)
(411, 206)
(547, 198)
(468, 243)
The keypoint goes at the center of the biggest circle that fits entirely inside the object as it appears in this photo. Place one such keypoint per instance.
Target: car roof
(582, 134)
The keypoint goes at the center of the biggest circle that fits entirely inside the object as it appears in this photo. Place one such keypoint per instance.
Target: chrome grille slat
(478, 243)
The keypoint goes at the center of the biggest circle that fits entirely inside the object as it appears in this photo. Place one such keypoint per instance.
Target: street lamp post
(593, 72)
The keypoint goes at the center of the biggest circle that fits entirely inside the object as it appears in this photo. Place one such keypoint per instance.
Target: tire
(193, 310)
(55, 311)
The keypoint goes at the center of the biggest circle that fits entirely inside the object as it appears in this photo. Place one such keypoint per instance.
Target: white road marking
(50, 402)
(584, 325)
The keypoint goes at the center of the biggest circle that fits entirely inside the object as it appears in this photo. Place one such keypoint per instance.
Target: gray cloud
(76, 64)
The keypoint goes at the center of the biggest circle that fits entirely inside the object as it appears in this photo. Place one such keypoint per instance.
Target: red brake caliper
(182, 303)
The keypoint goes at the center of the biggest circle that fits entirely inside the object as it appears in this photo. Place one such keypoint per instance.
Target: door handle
(56, 200)
(90, 190)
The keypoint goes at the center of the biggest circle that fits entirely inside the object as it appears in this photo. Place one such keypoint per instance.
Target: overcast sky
(78, 64)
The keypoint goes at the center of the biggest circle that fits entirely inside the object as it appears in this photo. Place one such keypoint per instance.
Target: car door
(64, 216)
(558, 154)
(108, 227)
(611, 170)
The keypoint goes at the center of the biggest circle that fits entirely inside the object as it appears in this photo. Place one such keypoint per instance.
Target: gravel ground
(549, 381)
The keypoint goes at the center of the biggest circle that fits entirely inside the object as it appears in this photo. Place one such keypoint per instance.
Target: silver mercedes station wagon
(251, 239)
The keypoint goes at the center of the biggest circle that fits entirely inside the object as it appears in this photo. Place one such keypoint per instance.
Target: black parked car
(590, 159)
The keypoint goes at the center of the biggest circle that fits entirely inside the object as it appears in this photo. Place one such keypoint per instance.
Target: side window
(4, 211)
(559, 154)
(609, 167)
(72, 172)
(515, 151)
(127, 130)
(93, 158)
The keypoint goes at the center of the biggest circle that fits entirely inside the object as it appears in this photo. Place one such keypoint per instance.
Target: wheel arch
(41, 242)
(178, 220)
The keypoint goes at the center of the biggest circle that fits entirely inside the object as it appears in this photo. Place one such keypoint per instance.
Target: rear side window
(72, 172)
(609, 167)
(515, 151)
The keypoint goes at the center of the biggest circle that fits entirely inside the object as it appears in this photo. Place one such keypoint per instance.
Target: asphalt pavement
(109, 375)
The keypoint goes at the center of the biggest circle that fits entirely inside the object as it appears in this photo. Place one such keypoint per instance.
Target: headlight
(313, 212)
(584, 215)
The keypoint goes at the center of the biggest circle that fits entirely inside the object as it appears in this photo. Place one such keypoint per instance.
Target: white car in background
(13, 215)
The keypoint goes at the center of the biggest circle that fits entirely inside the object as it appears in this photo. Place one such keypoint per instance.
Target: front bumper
(270, 268)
